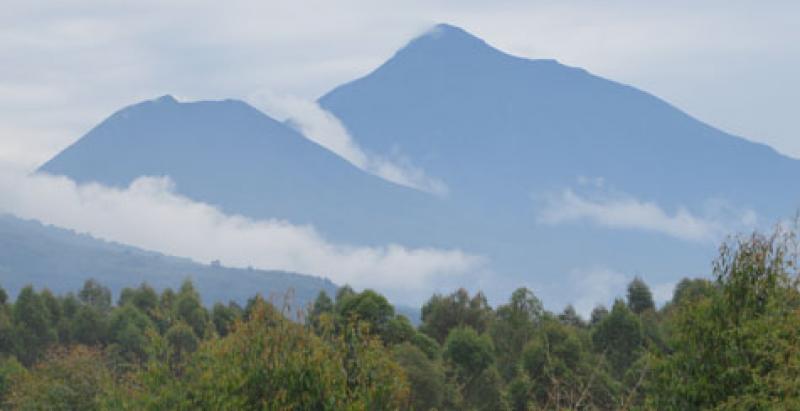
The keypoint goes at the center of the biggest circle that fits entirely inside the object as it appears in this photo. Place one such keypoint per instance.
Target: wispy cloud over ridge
(325, 129)
(150, 215)
(623, 211)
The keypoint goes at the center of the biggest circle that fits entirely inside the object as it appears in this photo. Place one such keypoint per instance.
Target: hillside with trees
(32, 253)
(725, 343)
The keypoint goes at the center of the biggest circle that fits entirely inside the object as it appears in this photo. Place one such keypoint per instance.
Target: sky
(69, 64)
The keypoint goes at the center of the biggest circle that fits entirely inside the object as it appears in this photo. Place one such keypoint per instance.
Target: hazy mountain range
(61, 260)
(560, 179)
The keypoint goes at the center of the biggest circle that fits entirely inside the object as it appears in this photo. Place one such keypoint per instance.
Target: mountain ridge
(64, 259)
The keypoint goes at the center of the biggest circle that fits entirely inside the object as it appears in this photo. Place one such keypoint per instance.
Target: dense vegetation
(726, 343)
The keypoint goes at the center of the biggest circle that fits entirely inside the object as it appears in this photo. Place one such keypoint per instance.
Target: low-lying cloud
(149, 214)
(322, 127)
(627, 212)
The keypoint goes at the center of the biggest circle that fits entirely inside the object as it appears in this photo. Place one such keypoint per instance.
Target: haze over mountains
(559, 178)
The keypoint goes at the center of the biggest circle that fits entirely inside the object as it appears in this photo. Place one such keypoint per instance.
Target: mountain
(495, 126)
(61, 260)
(505, 134)
(233, 156)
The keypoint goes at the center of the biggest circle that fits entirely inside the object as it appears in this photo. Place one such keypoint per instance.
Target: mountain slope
(61, 260)
(491, 124)
(231, 155)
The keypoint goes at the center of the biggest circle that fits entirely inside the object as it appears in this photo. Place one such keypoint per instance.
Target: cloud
(626, 212)
(325, 129)
(597, 285)
(149, 214)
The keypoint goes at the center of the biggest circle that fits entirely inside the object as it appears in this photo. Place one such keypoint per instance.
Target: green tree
(144, 298)
(562, 372)
(444, 313)
(598, 314)
(640, 299)
(6, 326)
(690, 290)
(520, 393)
(10, 370)
(399, 330)
(128, 330)
(514, 326)
(367, 306)
(182, 343)
(7, 332)
(89, 326)
(737, 347)
(344, 292)
(74, 379)
(468, 351)
(95, 295)
(269, 362)
(189, 309)
(224, 317)
(427, 344)
(425, 377)
(619, 338)
(571, 317)
(34, 330)
(471, 360)
(323, 305)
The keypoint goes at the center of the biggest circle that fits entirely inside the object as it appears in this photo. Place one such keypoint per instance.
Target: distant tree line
(727, 343)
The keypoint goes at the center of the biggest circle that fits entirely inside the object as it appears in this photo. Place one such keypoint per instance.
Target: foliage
(731, 343)
(33, 326)
(640, 299)
(619, 338)
(514, 325)
(425, 377)
(443, 313)
(269, 362)
(737, 348)
(10, 370)
(68, 379)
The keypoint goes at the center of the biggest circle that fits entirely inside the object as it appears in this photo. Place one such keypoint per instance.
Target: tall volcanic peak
(451, 43)
(448, 99)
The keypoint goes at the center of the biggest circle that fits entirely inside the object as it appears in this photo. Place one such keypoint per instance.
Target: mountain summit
(491, 124)
(228, 154)
(445, 42)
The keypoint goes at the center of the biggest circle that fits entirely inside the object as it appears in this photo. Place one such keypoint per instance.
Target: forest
(728, 341)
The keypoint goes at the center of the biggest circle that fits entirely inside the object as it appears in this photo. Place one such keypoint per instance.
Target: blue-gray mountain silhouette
(495, 126)
(501, 131)
(233, 156)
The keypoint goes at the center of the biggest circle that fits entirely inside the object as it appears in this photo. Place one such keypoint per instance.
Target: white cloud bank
(325, 129)
(150, 215)
(627, 212)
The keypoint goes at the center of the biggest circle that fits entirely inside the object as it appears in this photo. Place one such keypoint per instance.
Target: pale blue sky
(67, 65)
